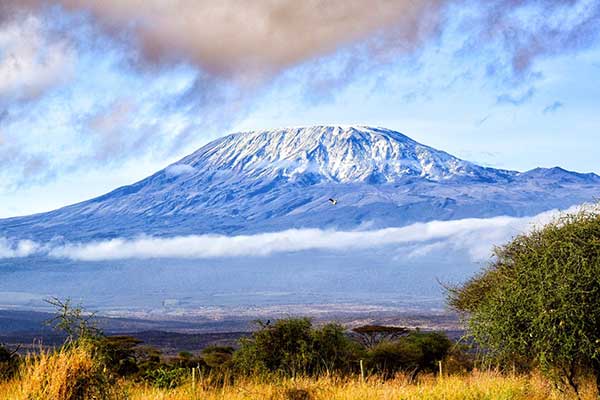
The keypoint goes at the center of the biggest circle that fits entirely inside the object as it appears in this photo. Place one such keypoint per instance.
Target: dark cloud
(254, 40)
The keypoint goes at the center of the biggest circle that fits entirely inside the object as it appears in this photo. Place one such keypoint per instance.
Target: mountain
(279, 179)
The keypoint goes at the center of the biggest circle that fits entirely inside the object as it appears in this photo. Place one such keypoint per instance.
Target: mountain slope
(280, 179)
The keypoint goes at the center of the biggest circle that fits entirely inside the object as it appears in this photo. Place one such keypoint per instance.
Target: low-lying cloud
(15, 249)
(475, 236)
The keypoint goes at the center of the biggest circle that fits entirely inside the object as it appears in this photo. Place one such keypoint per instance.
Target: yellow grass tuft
(67, 374)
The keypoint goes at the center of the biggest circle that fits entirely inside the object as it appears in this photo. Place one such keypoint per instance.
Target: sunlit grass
(72, 373)
(475, 386)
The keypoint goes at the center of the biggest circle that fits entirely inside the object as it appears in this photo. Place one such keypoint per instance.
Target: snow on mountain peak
(329, 153)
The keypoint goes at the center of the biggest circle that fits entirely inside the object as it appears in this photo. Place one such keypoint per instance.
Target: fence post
(362, 371)
(194, 380)
(441, 371)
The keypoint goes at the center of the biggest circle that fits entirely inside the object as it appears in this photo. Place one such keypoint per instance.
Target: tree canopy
(539, 299)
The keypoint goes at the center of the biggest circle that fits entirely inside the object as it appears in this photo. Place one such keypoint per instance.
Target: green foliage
(218, 357)
(434, 346)
(388, 358)
(539, 300)
(167, 378)
(119, 354)
(413, 353)
(291, 347)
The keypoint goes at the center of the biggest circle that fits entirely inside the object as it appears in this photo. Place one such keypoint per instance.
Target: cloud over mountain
(233, 38)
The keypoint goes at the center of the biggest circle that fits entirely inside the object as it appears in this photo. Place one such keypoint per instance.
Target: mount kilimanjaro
(279, 179)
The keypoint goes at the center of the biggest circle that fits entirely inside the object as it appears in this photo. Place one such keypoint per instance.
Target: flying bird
(333, 201)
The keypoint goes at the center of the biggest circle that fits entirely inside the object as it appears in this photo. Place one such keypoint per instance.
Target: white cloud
(179, 169)
(475, 236)
(31, 60)
(22, 248)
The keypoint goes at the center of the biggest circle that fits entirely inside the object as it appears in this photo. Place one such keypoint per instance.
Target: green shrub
(539, 300)
(218, 357)
(291, 347)
(389, 358)
(119, 354)
(167, 378)
(434, 347)
(414, 353)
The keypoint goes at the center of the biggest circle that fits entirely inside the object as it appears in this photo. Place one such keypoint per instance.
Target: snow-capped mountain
(279, 179)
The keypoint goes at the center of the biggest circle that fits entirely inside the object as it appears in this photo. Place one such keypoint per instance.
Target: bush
(434, 347)
(291, 347)
(413, 353)
(119, 354)
(218, 357)
(539, 300)
(167, 378)
(389, 358)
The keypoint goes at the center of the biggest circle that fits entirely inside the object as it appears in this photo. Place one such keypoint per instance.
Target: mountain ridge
(267, 180)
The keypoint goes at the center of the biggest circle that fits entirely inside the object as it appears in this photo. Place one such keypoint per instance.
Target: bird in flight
(333, 201)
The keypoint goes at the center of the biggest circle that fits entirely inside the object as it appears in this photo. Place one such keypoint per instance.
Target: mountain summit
(279, 179)
(330, 154)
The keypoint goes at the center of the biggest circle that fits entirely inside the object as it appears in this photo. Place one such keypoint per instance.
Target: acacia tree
(72, 320)
(371, 335)
(539, 299)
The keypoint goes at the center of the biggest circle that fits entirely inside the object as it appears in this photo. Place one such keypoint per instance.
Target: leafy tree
(539, 300)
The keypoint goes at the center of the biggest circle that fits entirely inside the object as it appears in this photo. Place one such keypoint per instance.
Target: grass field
(478, 386)
(475, 386)
(73, 373)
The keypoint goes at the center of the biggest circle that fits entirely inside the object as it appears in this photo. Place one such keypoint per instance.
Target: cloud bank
(235, 38)
(476, 236)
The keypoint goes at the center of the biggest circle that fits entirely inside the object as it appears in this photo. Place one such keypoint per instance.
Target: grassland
(475, 386)
(74, 372)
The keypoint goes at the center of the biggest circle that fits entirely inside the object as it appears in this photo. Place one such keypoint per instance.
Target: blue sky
(94, 95)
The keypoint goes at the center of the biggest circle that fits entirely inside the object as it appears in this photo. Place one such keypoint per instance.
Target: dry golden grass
(73, 374)
(66, 374)
(475, 386)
